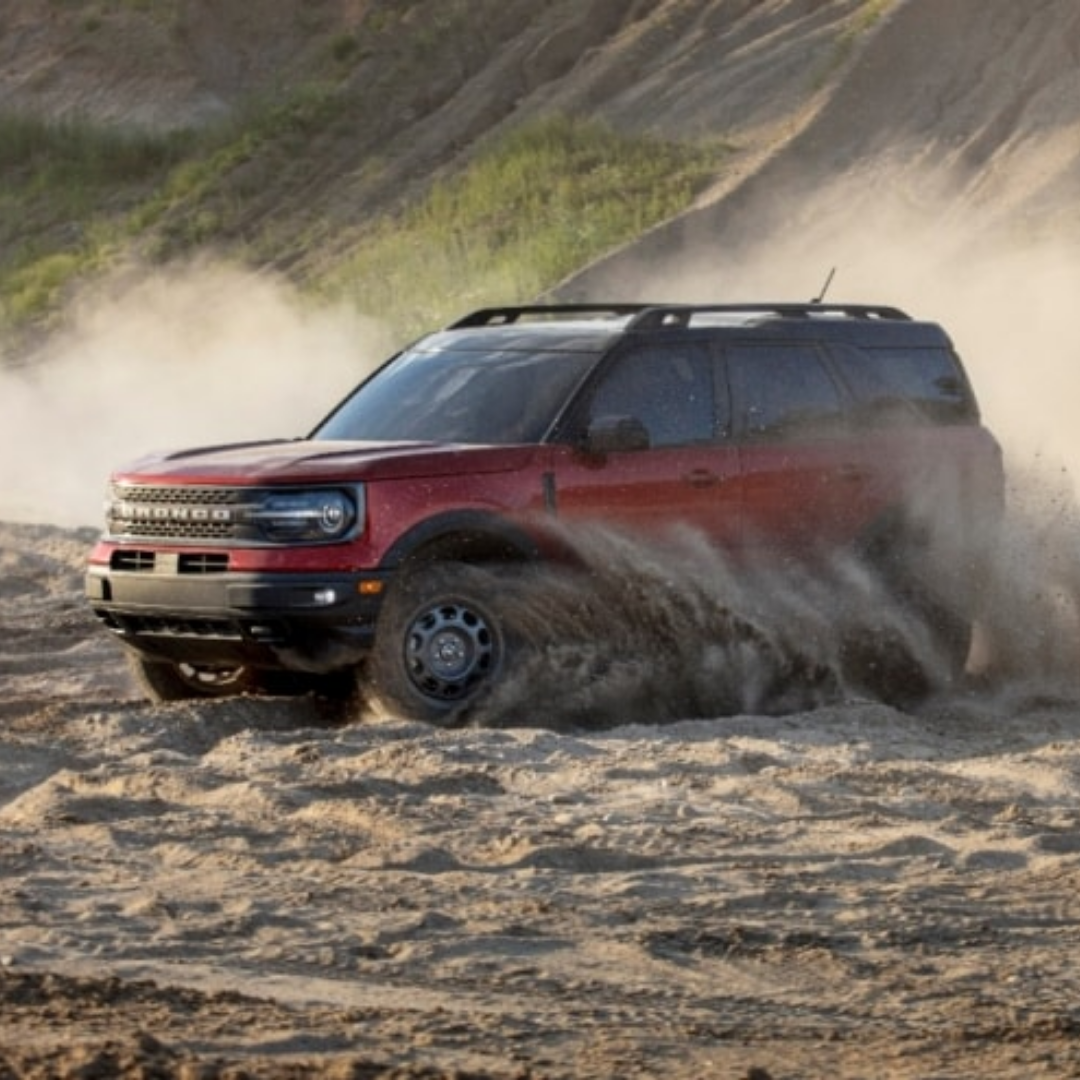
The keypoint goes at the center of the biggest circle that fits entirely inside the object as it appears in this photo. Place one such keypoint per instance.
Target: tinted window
(667, 387)
(470, 397)
(782, 391)
(899, 385)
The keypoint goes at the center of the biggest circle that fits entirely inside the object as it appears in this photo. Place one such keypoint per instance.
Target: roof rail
(659, 315)
(653, 316)
(504, 316)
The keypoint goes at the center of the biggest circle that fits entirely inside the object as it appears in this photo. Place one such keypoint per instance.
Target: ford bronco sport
(301, 563)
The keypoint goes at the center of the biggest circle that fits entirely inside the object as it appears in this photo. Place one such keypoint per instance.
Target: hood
(303, 461)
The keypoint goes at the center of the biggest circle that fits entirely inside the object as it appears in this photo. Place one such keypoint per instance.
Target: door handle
(700, 478)
(851, 472)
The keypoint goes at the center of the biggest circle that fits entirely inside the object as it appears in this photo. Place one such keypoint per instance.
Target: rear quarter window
(903, 385)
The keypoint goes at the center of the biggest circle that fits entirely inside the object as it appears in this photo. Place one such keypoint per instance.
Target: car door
(805, 476)
(682, 471)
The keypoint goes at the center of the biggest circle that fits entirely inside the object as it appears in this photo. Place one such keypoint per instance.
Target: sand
(256, 888)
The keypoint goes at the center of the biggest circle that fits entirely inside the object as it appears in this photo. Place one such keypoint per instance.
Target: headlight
(308, 516)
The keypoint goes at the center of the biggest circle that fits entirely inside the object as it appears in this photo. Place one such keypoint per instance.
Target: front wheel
(441, 642)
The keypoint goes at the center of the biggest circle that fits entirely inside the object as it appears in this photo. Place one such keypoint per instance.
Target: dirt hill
(433, 81)
(981, 96)
(956, 123)
(845, 115)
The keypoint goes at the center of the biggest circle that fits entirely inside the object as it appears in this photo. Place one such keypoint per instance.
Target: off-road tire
(884, 659)
(441, 643)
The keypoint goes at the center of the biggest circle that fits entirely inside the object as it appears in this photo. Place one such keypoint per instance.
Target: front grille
(186, 514)
(175, 530)
(202, 495)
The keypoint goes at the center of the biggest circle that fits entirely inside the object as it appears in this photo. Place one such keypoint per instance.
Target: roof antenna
(824, 288)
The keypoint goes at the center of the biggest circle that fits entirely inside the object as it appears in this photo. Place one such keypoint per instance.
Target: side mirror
(608, 434)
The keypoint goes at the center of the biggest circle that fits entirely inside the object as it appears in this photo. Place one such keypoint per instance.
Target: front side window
(668, 388)
(783, 392)
(465, 397)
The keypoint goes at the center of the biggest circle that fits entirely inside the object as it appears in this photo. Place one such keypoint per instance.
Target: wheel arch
(889, 538)
(470, 536)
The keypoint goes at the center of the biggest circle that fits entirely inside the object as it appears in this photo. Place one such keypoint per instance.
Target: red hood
(308, 461)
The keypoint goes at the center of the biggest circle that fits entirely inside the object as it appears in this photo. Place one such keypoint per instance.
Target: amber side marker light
(369, 588)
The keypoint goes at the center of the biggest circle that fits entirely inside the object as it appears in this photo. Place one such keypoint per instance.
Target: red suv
(792, 429)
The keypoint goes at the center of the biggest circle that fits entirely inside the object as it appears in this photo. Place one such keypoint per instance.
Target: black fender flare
(464, 536)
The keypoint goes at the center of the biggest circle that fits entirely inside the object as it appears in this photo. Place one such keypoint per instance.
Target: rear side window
(905, 385)
(783, 392)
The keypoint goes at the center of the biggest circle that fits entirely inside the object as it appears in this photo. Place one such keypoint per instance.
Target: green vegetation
(203, 198)
(57, 178)
(541, 202)
(77, 158)
(862, 20)
(868, 14)
(75, 193)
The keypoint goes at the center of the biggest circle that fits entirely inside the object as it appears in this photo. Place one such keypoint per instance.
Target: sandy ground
(250, 889)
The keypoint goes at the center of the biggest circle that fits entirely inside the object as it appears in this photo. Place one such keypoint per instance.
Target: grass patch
(57, 176)
(542, 202)
(73, 156)
(204, 197)
(868, 14)
(71, 191)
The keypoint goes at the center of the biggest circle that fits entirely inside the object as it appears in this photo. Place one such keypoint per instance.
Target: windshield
(468, 397)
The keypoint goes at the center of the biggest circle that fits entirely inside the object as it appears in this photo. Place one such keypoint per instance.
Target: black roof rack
(659, 315)
(504, 316)
(654, 316)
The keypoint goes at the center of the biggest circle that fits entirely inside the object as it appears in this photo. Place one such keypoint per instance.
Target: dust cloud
(204, 353)
(1008, 303)
(1004, 287)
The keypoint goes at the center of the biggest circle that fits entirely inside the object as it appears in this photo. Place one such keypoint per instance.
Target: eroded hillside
(963, 99)
(956, 127)
(368, 101)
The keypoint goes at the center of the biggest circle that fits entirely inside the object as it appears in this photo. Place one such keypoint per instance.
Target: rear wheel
(441, 642)
(922, 645)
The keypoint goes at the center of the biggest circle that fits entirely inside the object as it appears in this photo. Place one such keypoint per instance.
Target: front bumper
(292, 621)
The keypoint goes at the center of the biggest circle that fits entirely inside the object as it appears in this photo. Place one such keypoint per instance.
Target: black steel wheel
(441, 642)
